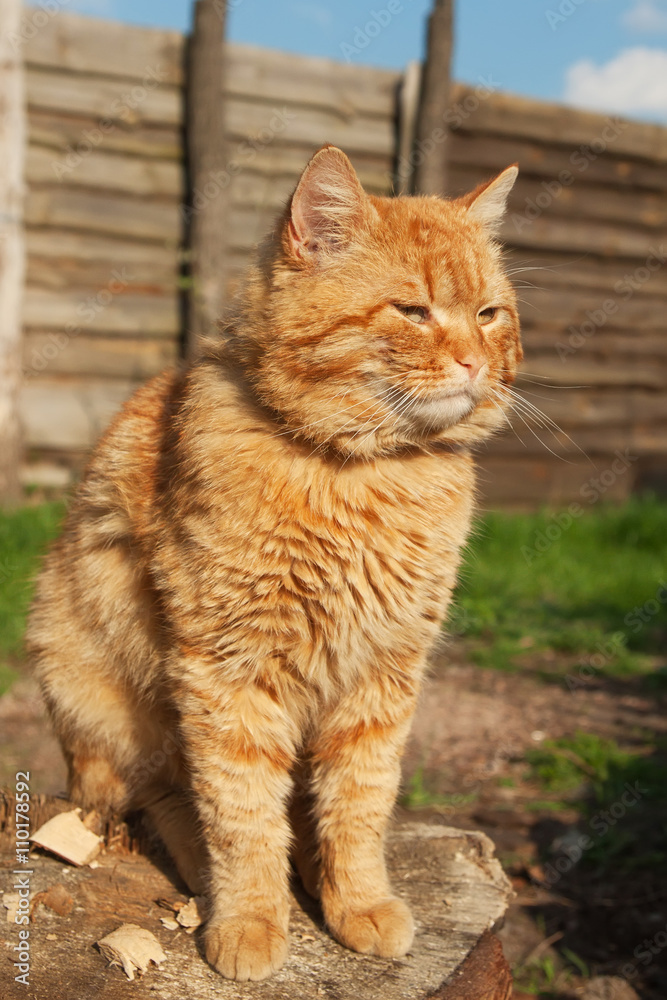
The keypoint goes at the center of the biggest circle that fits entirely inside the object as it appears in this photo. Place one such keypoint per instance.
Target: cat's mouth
(437, 410)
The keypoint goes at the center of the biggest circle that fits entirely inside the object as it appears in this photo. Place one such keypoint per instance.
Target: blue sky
(608, 55)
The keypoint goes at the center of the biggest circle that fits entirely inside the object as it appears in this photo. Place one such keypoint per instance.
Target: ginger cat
(232, 630)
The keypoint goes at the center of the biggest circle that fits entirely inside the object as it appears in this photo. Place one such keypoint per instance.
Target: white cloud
(633, 82)
(646, 16)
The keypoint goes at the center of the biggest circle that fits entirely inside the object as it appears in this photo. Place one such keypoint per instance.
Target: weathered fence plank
(101, 169)
(106, 212)
(106, 99)
(114, 309)
(12, 246)
(88, 45)
(99, 355)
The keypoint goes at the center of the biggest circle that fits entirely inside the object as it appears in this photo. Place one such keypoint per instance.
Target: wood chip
(66, 836)
(10, 901)
(133, 947)
(56, 897)
(170, 923)
(193, 913)
(170, 904)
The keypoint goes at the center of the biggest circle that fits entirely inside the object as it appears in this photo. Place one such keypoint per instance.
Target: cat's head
(373, 323)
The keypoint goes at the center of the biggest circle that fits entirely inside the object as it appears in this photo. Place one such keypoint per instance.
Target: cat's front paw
(245, 948)
(384, 929)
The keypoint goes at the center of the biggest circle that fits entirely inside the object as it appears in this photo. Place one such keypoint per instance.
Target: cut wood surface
(451, 879)
(66, 836)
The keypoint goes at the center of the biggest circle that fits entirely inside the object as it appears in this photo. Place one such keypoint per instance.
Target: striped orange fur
(232, 629)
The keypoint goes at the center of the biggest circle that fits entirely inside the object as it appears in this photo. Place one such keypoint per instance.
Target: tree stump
(450, 878)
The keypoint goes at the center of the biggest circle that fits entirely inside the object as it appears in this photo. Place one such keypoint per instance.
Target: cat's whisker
(407, 405)
(531, 411)
(303, 428)
(523, 284)
(537, 395)
(554, 268)
(392, 412)
(524, 421)
(373, 400)
(502, 407)
(314, 423)
(538, 379)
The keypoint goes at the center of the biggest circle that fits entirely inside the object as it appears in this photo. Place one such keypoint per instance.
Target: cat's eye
(416, 314)
(487, 315)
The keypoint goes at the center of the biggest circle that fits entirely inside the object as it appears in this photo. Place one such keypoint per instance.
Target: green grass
(419, 794)
(594, 596)
(564, 765)
(24, 535)
(576, 601)
(618, 793)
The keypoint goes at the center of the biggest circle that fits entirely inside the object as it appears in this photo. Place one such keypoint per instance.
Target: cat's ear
(327, 207)
(487, 204)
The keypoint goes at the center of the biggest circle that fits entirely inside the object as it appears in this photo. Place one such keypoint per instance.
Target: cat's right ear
(327, 207)
(487, 204)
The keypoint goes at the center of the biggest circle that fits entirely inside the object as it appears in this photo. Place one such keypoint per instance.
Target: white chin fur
(439, 412)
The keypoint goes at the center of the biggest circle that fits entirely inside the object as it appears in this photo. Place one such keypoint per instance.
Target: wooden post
(207, 209)
(12, 249)
(408, 104)
(431, 147)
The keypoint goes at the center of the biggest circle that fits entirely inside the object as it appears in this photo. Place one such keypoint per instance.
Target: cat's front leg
(356, 771)
(240, 747)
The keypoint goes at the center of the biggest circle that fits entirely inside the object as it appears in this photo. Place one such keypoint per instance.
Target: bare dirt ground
(472, 730)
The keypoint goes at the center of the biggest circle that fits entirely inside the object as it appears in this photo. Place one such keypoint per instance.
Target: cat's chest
(326, 568)
(372, 551)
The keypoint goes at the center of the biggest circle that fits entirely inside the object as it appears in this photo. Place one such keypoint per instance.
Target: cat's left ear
(327, 207)
(487, 204)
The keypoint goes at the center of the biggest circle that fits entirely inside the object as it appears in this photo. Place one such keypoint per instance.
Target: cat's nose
(473, 362)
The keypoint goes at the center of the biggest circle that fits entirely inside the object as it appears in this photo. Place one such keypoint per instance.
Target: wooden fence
(105, 226)
(587, 238)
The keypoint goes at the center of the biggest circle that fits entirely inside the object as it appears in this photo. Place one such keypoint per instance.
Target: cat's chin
(442, 410)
